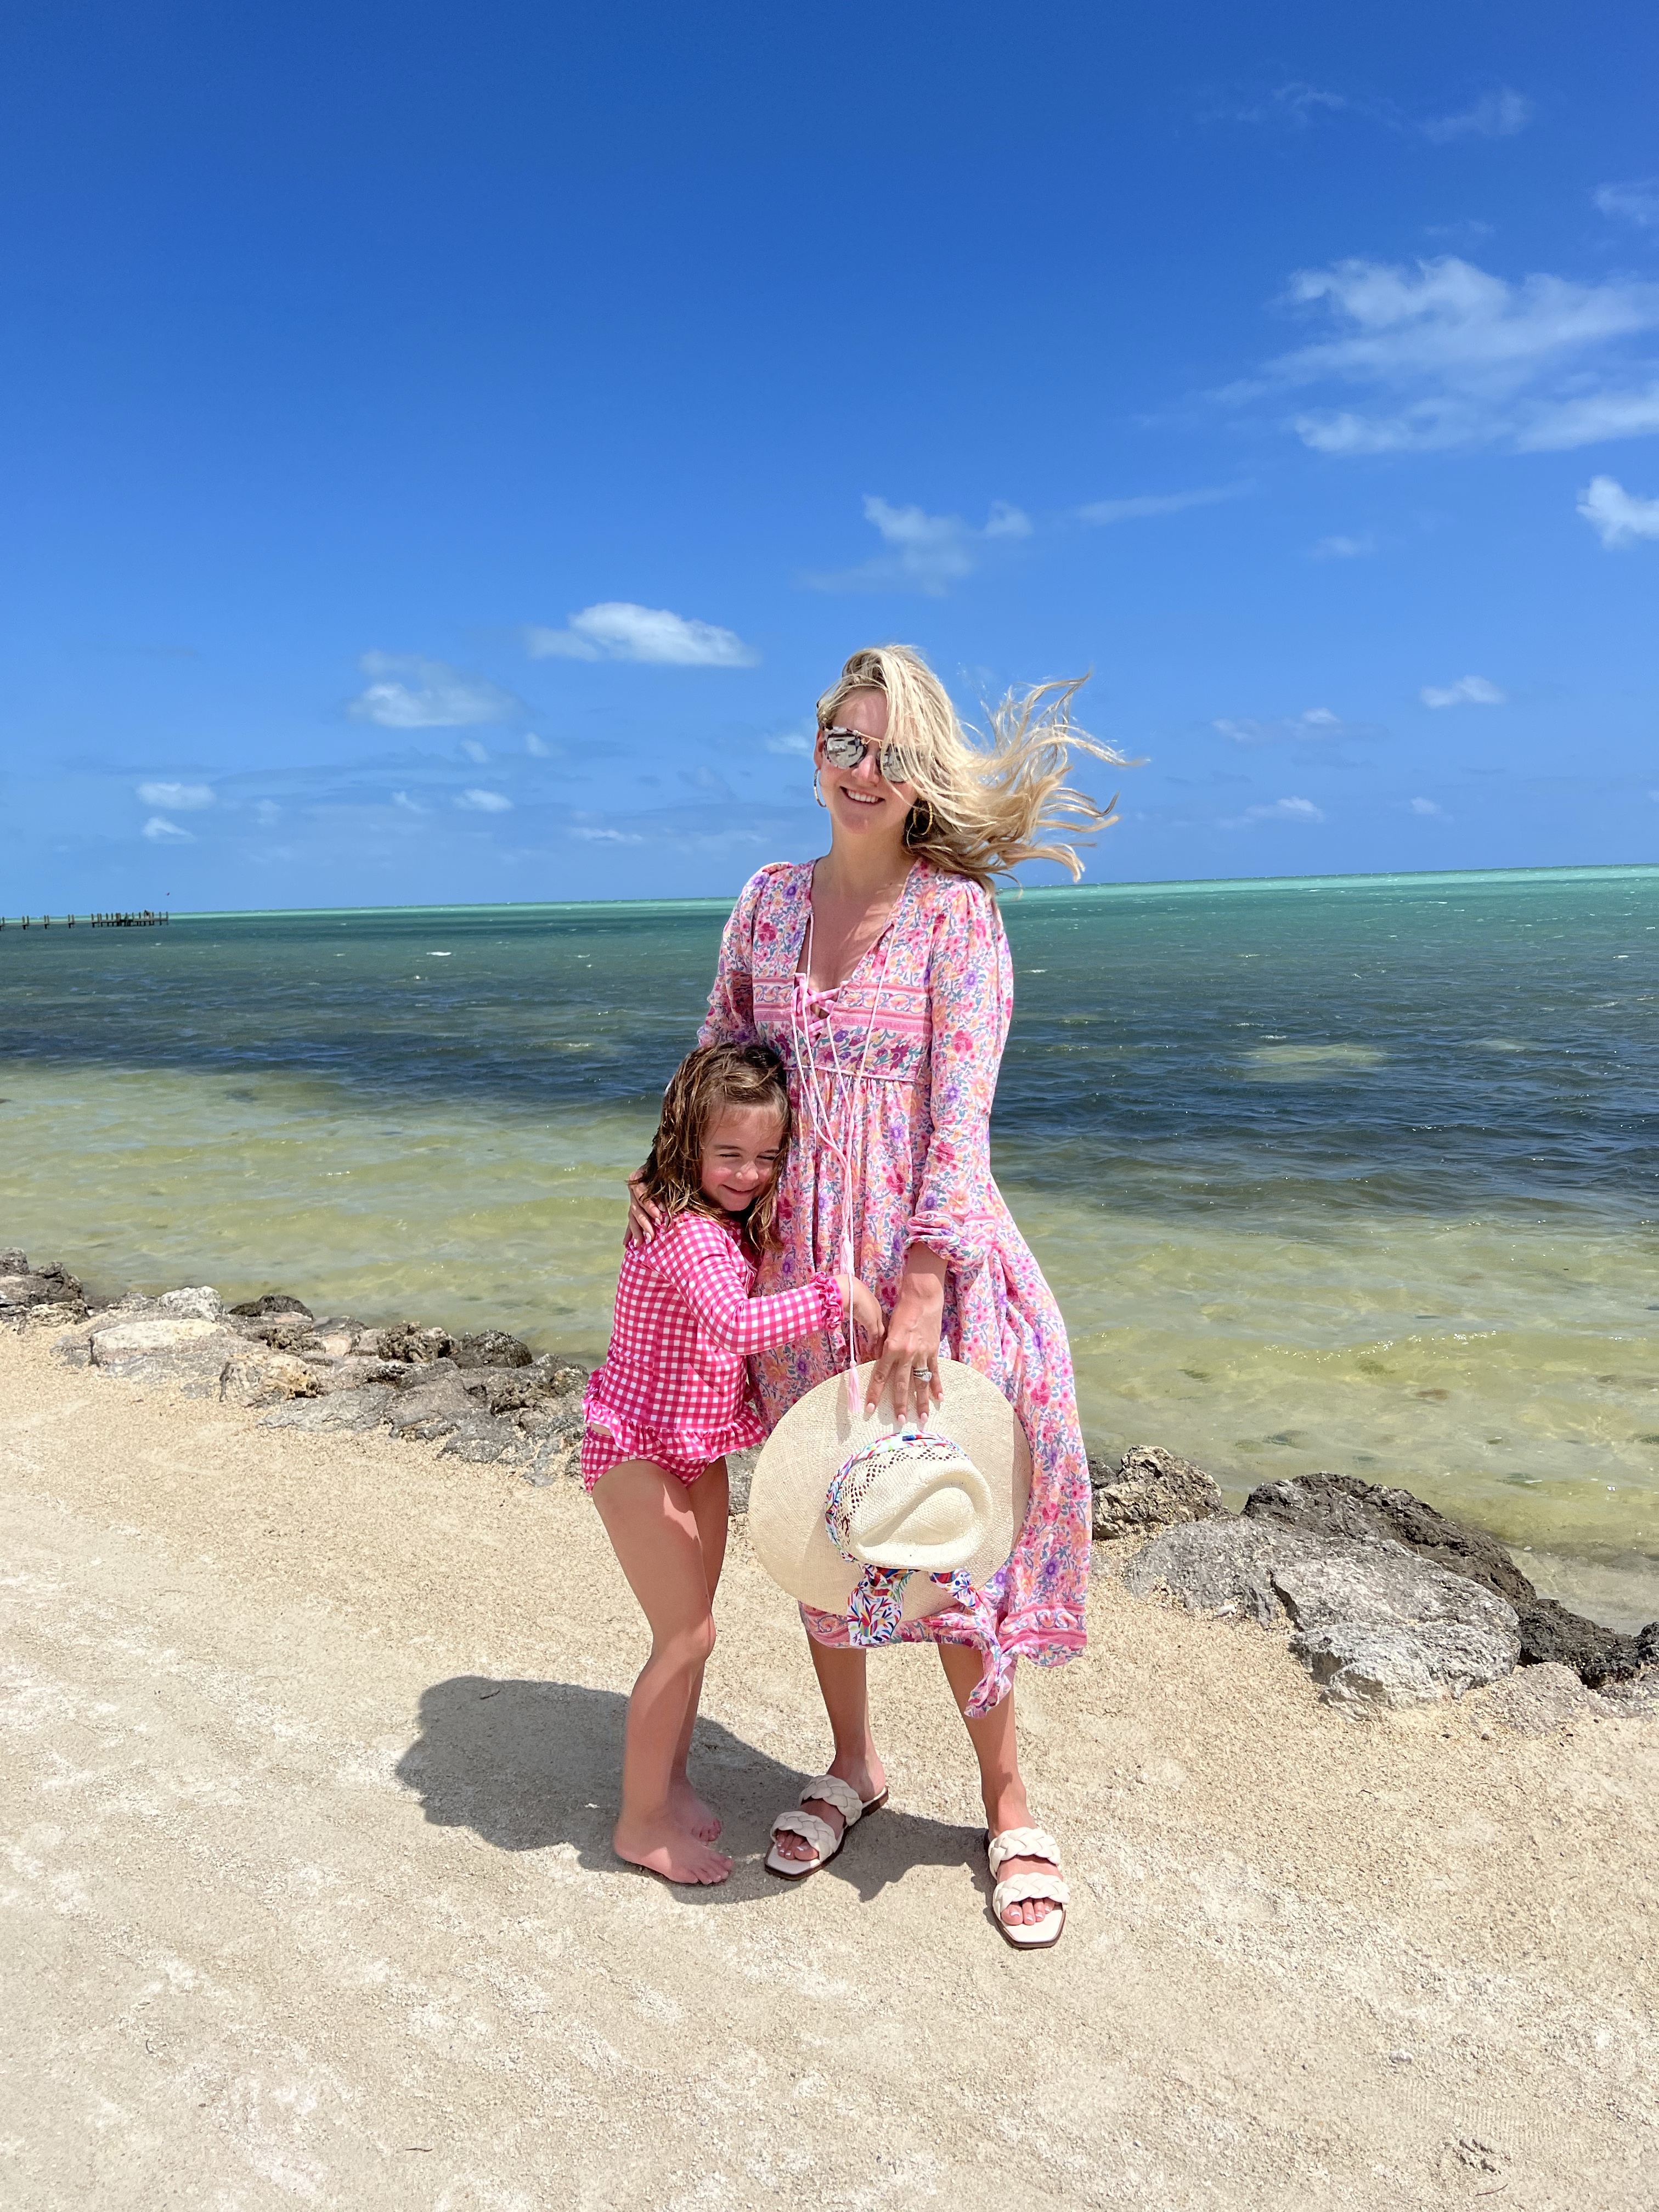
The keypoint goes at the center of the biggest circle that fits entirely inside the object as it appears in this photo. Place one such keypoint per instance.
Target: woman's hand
(912, 1342)
(644, 1215)
(869, 1318)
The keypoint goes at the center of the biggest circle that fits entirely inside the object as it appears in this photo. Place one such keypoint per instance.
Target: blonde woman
(881, 974)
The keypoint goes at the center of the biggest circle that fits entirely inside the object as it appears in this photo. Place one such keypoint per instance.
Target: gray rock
(561, 1378)
(273, 1303)
(1384, 1585)
(14, 1260)
(1370, 1666)
(41, 1293)
(191, 1355)
(491, 1347)
(265, 1378)
(1341, 1505)
(479, 1437)
(351, 1373)
(1148, 1489)
(1224, 1566)
(426, 1414)
(282, 1332)
(201, 1303)
(348, 1410)
(404, 1341)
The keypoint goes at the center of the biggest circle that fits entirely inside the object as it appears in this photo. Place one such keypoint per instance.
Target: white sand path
(307, 1761)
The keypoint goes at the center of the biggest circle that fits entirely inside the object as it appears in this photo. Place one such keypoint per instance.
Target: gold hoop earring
(817, 788)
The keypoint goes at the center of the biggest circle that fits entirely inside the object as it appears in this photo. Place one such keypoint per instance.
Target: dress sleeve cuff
(960, 1244)
(832, 1303)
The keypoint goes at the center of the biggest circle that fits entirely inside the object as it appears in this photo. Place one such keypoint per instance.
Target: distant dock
(144, 919)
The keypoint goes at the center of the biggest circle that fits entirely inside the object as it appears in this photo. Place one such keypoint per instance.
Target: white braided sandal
(1029, 1844)
(829, 1789)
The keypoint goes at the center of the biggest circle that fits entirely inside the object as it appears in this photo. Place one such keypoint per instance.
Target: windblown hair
(983, 804)
(713, 1076)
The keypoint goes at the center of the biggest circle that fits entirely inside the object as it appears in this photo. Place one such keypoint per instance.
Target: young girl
(674, 1396)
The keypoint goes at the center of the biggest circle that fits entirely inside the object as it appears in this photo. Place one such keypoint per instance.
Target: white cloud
(931, 551)
(796, 743)
(267, 811)
(182, 798)
(409, 693)
(617, 629)
(1499, 114)
(409, 805)
(1281, 809)
(474, 751)
(1424, 806)
(1468, 691)
(1460, 357)
(608, 836)
(1343, 548)
(160, 831)
(1638, 202)
(1316, 722)
(537, 747)
(485, 802)
(1618, 517)
(1151, 503)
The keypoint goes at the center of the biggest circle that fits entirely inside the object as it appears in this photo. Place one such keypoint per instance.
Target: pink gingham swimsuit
(675, 1388)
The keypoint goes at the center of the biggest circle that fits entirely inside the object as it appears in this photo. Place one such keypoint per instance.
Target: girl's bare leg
(654, 1530)
(997, 1749)
(710, 1497)
(843, 1685)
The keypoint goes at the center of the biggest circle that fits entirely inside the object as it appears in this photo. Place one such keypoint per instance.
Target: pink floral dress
(925, 1014)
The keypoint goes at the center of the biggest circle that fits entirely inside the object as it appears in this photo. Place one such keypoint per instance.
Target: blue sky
(449, 449)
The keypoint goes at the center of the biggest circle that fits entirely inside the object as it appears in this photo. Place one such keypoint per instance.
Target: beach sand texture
(309, 1755)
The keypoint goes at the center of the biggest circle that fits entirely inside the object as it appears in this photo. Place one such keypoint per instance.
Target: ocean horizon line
(1572, 872)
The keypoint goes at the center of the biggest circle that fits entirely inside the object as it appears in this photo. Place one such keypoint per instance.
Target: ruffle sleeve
(970, 983)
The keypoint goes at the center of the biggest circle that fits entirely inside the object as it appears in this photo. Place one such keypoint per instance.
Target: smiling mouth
(862, 799)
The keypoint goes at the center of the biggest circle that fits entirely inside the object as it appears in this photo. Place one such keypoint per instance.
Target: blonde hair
(713, 1076)
(983, 806)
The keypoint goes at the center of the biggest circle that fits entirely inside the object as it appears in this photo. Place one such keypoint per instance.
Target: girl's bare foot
(688, 1810)
(663, 1847)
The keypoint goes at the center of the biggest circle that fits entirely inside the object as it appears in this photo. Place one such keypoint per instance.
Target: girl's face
(741, 1148)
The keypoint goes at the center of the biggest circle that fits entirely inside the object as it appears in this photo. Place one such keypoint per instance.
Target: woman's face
(862, 804)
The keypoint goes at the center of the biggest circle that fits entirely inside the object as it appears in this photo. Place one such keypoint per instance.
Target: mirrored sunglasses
(847, 748)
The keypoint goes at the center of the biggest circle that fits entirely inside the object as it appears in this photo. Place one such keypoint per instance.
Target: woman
(881, 974)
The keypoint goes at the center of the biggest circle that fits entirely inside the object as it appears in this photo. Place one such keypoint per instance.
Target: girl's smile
(740, 1153)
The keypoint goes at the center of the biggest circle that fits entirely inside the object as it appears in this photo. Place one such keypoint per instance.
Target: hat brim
(819, 1432)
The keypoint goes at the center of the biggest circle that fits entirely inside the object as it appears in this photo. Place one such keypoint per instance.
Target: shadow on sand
(526, 1765)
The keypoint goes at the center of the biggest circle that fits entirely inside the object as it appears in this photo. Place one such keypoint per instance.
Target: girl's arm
(703, 1265)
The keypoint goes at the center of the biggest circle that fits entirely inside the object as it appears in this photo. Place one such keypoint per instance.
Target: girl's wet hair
(712, 1077)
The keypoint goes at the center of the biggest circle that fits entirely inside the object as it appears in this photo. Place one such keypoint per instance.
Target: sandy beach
(309, 1756)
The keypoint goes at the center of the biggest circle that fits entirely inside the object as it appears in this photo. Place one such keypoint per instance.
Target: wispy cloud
(1426, 806)
(402, 799)
(599, 836)
(1460, 357)
(1162, 502)
(411, 693)
(1618, 517)
(1637, 202)
(1343, 549)
(1318, 722)
(160, 831)
(1499, 114)
(796, 743)
(617, 629)
(930, 552)
(537, 748)
(182, 798)
(485, 802)
(1468, 691)
(1279, 810)
(474, 751)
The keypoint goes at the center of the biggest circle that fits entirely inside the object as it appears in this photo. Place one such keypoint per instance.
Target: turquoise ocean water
(1358, 1174)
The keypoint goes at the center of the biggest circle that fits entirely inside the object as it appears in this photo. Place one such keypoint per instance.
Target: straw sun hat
(948, 1501)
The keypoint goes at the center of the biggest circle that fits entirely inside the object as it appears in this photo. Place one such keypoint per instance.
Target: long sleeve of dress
(703, 1265)
(970, 983)
(731, 1016)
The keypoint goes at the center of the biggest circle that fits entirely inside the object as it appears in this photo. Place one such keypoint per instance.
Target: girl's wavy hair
(983, 804)
(713, 1076)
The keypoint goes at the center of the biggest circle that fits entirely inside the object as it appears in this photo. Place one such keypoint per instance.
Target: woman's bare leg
(996, 1746)
(711, 1506)
(844, 1688)
(654, 1532)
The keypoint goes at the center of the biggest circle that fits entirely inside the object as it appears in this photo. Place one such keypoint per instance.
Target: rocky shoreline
(1385, 1601)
